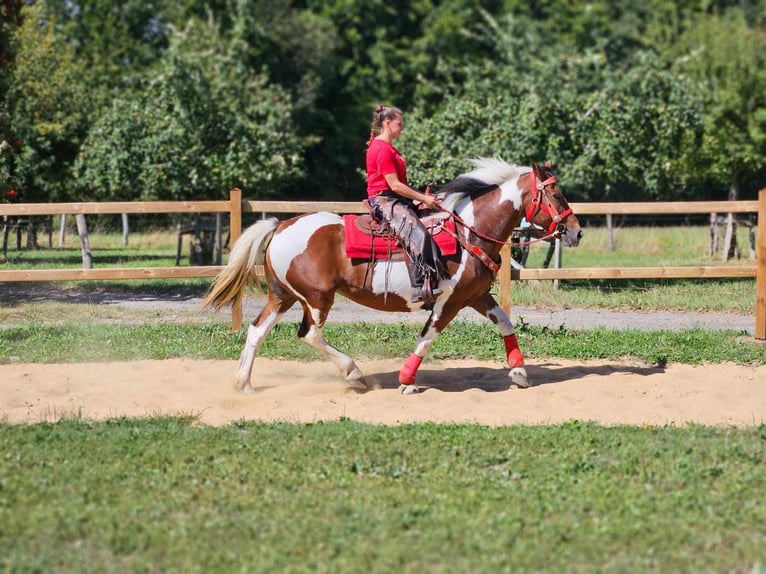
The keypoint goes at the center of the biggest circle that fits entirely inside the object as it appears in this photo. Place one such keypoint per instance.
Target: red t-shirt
(382, 159)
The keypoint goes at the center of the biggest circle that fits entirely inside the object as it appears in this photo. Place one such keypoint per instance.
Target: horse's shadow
(492, 380)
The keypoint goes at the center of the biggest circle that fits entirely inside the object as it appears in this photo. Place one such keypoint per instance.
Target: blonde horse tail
(248, 251)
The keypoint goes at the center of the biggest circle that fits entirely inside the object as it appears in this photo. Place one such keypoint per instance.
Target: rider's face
(395, 126)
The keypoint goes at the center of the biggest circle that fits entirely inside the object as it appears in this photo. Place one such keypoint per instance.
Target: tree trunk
(62, 230)
(730, 248)
(125, 229)
(734, 187)
(82, 231)
(713, 246)
(609, 232)
(31, 234)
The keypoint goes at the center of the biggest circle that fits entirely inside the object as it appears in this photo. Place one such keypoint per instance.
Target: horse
(306, 262)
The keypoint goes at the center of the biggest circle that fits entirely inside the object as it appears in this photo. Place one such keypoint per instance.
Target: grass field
(168, 495)
(68, 342)
(162, 495)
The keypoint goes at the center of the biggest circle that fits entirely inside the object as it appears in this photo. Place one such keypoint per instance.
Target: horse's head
(544, 205)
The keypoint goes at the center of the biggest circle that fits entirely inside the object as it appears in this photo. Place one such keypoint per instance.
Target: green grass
(163, 495)
(682, 246)
(634, 247)
(112, 342)
(646, 246)
(721, 296)
(149, 249)
(167, 495)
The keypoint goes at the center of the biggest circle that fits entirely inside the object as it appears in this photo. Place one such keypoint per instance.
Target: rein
(531, 212)
(554, 229)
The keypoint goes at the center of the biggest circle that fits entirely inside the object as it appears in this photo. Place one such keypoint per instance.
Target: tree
(10, 20)
(202, 124)
(117, 40)
(298, 49)
(635, 134)
(726, 59)
(612, 133)
(47, 109)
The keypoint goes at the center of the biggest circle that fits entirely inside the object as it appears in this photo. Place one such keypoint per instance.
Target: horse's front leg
(487, 306)
(408, 373)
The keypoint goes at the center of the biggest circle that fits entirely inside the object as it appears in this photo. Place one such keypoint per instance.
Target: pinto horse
(306, 262)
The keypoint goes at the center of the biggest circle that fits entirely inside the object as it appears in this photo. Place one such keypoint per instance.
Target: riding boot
(424, 263)
(429, 290)
(417, 279)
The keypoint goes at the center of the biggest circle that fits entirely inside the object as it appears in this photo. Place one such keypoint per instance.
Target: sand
(467, 391)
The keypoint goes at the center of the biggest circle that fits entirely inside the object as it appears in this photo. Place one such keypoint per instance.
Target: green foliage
(10, 20)
(114, 39)
(727, 60)
(47, 107)
(636, 135)
(202, 125)
(638, 101)
(164, 494)
(603, 128)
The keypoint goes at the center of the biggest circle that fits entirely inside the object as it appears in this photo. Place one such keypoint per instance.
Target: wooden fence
(235, 207)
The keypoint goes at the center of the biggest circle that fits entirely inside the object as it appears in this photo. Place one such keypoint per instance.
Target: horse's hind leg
(488, 307)
(256, 333)
(311, 331)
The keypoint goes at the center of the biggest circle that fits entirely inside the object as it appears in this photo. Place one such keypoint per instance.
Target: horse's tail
(247, 252)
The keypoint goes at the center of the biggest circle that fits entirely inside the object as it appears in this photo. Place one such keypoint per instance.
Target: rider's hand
(430, 201)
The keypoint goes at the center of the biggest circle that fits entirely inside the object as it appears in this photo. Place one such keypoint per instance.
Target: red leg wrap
(410, 369)
(512, 351)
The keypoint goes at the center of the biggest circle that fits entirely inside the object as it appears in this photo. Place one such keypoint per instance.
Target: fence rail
(235, 207)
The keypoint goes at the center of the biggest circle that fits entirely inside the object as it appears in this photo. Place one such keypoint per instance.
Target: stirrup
(425, 293)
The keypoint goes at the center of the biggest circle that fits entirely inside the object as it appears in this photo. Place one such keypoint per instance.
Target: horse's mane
(487, 174)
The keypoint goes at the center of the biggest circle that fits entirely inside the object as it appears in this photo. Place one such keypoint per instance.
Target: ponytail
(379, 115)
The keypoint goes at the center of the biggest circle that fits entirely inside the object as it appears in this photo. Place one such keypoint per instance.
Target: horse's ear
(548, 164)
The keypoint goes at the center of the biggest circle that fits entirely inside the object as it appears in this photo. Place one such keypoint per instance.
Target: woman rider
(391, 199)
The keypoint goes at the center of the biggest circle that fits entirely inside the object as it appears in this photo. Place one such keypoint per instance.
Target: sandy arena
(608, 392)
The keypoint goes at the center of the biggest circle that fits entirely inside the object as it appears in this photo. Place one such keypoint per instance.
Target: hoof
(357, 384)
(244, 386)
(409, 389)
(355, 380)
(518, 377)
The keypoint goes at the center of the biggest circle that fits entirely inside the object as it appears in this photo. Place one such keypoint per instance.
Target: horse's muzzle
(569, 237)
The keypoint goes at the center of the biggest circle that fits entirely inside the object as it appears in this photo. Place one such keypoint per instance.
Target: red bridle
(537, 204)
(554, 229)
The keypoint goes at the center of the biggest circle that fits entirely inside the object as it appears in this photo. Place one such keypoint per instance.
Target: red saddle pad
(359, 244)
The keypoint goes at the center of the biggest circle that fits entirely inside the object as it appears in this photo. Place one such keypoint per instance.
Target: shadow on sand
(491, 380)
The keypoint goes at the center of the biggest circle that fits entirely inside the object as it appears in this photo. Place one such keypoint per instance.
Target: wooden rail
(235, 207)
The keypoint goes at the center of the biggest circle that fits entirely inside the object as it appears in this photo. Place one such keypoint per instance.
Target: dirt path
(188, 308)
(455, 391)
(611, 392)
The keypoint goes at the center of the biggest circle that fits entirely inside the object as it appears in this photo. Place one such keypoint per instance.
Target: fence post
(235, 230)
(760, 269)
(504, 276)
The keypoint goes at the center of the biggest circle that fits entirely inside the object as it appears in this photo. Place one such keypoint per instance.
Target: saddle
(366, 239)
